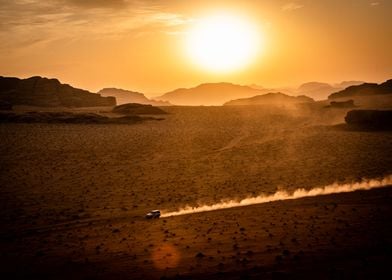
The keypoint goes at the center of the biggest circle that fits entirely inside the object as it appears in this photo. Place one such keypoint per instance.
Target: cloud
(29, 22)
(128, 14)
(98, 3)
(291, 7)
(374, 4)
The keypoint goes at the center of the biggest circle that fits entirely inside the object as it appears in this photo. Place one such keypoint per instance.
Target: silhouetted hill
(277, 98)
(38, 91)
(365, 89)
(209, 94)
(126, 96)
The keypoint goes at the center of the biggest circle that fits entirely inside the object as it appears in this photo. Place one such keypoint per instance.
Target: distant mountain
(365, 89)
(209, 94)
(127, 96)
(286, 90)
(255, 86)
(317, 90)
(38, 91)
(346, 84)
(277, 98)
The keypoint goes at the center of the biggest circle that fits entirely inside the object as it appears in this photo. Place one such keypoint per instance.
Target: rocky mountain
(365, 89)
(126, 96)
(278, 99)
(39, 91)
(209, 94)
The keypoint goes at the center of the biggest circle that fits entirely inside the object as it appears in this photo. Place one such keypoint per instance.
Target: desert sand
(74, 196)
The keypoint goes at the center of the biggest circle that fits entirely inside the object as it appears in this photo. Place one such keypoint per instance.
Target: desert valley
(74, 192)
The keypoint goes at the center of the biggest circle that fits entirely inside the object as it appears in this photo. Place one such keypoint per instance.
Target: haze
(139, 45)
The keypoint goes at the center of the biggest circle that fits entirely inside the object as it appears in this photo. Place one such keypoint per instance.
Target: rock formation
(38, 91)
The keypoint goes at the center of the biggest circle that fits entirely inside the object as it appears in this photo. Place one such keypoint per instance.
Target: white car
(154, 214)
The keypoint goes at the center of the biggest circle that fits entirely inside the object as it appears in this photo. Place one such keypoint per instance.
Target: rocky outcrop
(38, 91)
(366, 89)
(372, 119)
(137, 109)
(279, 99)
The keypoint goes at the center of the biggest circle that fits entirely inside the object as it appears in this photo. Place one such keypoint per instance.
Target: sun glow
(223, 43)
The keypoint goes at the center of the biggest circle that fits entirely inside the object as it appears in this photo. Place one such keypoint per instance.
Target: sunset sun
(223, 43)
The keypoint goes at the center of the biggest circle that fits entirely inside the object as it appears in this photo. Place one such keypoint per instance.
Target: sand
(73, 197)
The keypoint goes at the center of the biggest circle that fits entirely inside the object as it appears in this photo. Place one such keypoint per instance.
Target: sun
(223, 43)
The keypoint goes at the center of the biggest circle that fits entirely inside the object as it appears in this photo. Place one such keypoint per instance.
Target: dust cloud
(365, 184)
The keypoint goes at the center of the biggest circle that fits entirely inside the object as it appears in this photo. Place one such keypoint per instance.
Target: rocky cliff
(39, 91)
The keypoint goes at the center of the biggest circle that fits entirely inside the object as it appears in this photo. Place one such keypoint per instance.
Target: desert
(195, 140)
(74, 197)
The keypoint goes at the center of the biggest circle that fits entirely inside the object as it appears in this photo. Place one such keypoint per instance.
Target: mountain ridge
(365, 89)
(272, 98)
(209, 94)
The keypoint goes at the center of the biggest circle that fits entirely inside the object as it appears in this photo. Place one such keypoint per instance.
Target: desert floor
(73, 197)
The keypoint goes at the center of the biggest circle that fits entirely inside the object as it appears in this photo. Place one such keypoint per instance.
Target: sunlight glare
(223, 43)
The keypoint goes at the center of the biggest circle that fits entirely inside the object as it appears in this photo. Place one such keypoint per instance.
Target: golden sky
(140, 45)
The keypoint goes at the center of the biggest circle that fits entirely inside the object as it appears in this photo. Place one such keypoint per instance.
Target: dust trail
(365, 184)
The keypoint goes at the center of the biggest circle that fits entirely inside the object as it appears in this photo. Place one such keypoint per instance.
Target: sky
(140, 45)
